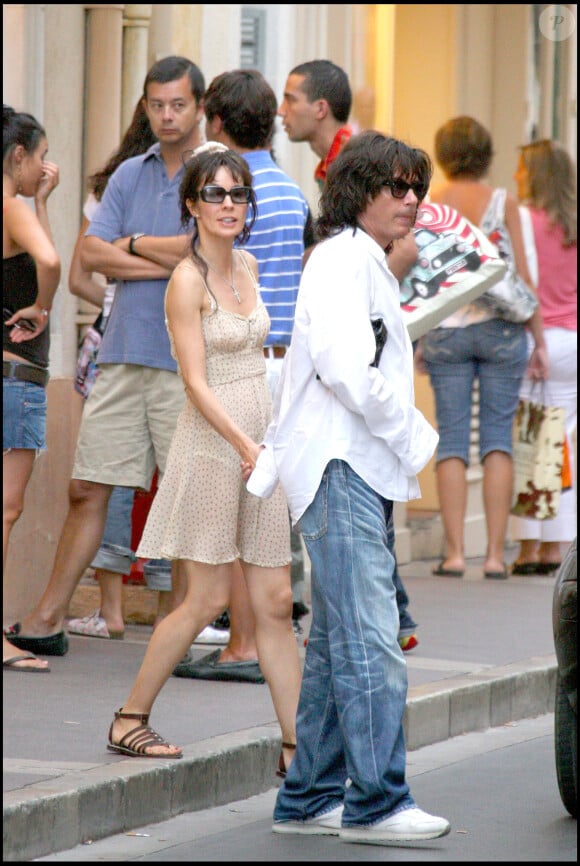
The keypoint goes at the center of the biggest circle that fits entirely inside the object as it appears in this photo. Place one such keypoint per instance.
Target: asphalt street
(497, 787)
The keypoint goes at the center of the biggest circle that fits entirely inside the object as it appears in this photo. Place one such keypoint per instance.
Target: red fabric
(340, 139)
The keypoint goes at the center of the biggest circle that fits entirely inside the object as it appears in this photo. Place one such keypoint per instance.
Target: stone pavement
(485, 657)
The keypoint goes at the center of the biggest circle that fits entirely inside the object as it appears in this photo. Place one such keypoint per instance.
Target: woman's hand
(538, 365)
(48, 182)
(27, 323)
(250, 455)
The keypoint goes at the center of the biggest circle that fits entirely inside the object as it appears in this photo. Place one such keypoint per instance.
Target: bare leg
(452, 491)
(79, 541)
(528, 551)
(550, 552)
(17, 466)
(111, 591)
(208, 590)
(242, 642)
(497, 491)
(271, 597)
(170, 600)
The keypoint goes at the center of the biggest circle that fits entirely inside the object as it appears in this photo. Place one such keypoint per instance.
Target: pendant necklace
(227, 282)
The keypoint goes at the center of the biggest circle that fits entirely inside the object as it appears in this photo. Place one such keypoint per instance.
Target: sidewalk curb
(82, 805)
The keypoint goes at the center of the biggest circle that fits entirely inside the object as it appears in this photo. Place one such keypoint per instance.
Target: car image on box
(564, 622)
(440, 256)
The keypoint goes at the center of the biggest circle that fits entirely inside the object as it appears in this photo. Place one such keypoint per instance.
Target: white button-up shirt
(330, 403)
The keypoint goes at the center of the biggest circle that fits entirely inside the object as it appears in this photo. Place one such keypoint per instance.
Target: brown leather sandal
(281, 771)
(137, 740)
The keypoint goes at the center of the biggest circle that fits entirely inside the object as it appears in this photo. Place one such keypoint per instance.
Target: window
(253, 38)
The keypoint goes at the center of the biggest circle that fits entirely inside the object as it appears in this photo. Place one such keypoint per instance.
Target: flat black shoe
(548, 567)
(210, 668)
(523, 568)
(53, 645)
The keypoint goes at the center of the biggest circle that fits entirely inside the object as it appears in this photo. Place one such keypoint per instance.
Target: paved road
(497, 787)
(485, 657)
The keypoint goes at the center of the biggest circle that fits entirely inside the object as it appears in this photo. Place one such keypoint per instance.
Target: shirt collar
(373, 247)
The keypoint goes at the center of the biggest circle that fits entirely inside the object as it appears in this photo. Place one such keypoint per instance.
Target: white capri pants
(561, 389)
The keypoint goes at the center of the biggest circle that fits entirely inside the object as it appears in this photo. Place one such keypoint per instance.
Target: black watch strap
(134, 238)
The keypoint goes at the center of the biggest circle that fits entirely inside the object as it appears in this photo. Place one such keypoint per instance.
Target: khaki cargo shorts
(127, 425)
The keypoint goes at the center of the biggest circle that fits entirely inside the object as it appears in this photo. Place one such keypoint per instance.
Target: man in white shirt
(345, 441)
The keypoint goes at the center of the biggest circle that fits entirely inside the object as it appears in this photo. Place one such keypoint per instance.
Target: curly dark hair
(200, 170)
(366, 164)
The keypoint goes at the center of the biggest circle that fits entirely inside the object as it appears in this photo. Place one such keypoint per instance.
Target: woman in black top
(31, 272)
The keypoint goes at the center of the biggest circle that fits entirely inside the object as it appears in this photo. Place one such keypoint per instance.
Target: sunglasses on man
(400, 188)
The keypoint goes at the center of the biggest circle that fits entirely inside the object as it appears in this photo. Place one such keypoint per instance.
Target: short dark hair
(323, 79)
(463, 148)
(246, 105)
(366, 164)
(18, 127)
(173, 68)
(200, 170)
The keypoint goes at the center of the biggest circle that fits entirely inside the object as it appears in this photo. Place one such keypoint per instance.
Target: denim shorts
(495, 354)
(24, 409)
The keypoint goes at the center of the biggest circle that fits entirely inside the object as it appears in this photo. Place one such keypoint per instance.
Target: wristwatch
(134, 238)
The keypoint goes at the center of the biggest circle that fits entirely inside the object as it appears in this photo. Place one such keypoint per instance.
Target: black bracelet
(134, 238)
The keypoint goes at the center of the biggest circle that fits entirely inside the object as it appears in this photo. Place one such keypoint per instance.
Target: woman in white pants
(546, 181)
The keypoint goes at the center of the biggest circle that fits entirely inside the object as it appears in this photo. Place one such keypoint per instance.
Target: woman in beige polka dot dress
(202, 514)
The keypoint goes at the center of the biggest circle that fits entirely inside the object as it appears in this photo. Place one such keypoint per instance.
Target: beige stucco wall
(34, 538)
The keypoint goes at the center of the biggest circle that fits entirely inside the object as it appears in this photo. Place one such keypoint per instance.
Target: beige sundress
(202, 510)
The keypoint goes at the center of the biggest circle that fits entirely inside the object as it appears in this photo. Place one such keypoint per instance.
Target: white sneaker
(213, 635)
(327, 824)
(410, 825)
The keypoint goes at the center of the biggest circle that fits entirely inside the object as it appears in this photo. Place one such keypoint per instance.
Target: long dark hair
(137, 139)
(201, 170)
(367, 163)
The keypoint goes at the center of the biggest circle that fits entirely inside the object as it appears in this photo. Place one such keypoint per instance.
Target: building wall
(411, 66)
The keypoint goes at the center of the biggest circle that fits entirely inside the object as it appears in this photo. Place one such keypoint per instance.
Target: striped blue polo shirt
(277, 242)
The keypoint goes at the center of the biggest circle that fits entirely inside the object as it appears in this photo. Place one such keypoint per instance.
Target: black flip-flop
(440, 571)
(496, 575)
(523, 568)
(52, 645)
(548, 567)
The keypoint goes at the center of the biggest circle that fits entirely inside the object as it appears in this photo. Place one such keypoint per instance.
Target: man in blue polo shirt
(136, 238)
(240, 109)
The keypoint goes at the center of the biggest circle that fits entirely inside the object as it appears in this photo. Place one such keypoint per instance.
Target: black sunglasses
(217, 194)
(400, 188)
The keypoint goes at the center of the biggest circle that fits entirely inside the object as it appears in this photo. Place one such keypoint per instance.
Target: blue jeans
(407, 624)
(494, 353)
(115, 552)
(23, 415)
(354, 686)
(157, 574)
